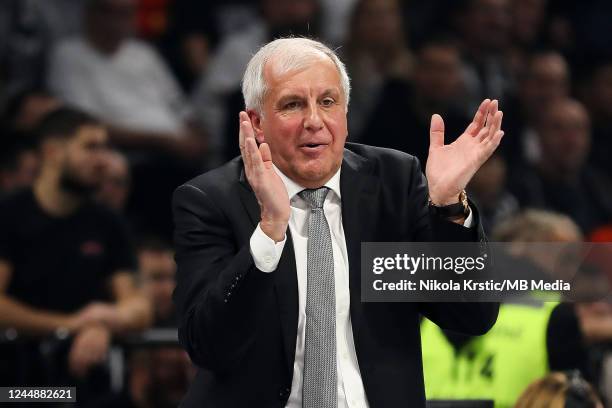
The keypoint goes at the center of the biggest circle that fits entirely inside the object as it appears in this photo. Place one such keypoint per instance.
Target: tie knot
(314, 197)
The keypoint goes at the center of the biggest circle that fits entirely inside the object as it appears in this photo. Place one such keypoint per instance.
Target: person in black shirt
(66, 262)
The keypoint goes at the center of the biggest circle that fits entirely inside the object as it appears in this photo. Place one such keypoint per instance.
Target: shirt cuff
(265, 252)
(469, 220)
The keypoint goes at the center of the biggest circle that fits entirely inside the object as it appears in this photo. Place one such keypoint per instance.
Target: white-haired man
(269, 285)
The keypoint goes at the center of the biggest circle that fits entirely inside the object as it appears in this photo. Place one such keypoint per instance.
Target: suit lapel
(248, 199)
(359, 209)
(286, 288)
(285, 281)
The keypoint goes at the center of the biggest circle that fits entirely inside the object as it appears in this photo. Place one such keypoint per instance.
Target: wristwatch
(460, 209)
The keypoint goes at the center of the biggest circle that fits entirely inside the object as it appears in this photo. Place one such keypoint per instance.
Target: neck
(101, 44)
(52, 198)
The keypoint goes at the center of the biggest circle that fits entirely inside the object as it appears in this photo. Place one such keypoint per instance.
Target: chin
(315, 176)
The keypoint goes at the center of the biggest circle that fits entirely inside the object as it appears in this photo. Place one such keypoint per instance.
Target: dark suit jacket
(239, 324)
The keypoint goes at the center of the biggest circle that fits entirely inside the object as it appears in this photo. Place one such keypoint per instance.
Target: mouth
(313, 149)
(313, 146)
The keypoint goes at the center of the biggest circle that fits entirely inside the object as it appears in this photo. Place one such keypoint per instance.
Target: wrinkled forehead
(280, 72)
(284, 59)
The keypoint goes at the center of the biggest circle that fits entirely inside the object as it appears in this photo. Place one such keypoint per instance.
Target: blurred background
(106, 106)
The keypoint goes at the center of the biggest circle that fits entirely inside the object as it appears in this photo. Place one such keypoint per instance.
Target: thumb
(436, 131)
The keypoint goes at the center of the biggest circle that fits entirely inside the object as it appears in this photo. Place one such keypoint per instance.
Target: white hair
(291, 54)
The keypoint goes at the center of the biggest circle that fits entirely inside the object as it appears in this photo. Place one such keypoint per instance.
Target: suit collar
(294, 188)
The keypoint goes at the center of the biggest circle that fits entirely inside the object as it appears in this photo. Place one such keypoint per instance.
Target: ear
(52, 150)
(256, 122)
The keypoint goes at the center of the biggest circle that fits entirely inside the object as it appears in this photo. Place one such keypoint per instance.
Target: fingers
(479, 118)
(255, 162)
(246, 129)
(436, 132)
(248, 145)
(492, 127)
(266, 155)
(491, 143)
(492, 119)
(493, 108)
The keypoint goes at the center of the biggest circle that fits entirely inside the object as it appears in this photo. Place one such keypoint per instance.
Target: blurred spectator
(152, 18)
(529, 338)
(18, 166)
(534, 225)
(559, 390)
(597, 96)
(65, 262)
(24, 110)
(216, 95)
(544, 79)
(484, 26)
(114, 189)
(402, 116)
(579, 29)
(527, 31)
(376, 52)
(126, 84)
(562, 180)
(527, 21)
(157, 272)
(18, 157)
(192, 36)
(488, 190)
(123, 82)
(30, 29)
(157, 378)
(335, 17)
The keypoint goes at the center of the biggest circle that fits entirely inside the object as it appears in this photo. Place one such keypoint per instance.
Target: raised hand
(450, 167)
(268, 187)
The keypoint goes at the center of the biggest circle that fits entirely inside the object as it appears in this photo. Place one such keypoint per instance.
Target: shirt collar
(294, 188)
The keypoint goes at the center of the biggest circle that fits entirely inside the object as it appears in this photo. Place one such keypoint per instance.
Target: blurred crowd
(106, 106)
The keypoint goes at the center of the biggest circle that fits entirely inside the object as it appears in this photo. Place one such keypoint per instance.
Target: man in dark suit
(268, 289)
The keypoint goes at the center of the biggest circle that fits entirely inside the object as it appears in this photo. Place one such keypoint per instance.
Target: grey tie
(320, 389)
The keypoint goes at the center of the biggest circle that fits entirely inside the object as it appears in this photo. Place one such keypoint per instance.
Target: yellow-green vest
(497, 366)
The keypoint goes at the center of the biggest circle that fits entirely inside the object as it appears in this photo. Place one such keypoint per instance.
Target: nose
(313, 121)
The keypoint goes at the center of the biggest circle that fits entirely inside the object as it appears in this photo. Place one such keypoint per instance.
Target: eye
(328, 102)
(292, 105)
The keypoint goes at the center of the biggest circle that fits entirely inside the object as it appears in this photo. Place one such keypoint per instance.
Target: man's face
(304, 121)
(84, 159)
(488, 24)
(379, 24)
(114, 19)
(565, 136)
(115, 186)
(437, 75)
(546, 80)
(157, 273)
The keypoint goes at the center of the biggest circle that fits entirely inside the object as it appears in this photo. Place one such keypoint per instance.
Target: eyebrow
(289, 97)
(293, 96)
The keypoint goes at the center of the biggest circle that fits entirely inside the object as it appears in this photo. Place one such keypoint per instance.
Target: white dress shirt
(266, 255)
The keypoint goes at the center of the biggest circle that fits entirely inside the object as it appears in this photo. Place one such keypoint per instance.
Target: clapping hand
(268, 187)
(450, 167)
